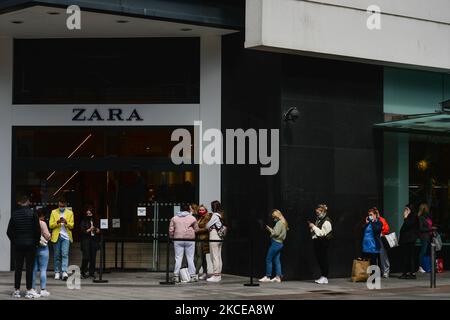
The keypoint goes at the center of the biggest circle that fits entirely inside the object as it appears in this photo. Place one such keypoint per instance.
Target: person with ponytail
(278, 235)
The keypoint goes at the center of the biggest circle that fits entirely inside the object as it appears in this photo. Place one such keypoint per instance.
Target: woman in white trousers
(215, 246)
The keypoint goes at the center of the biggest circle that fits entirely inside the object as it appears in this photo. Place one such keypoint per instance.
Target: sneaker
(16, 294)
(65, 276)
(44, 293)
(265, 279)
(57, 276)
(412, 276)
(421, 270)
(386, 275)
(214, 279)
(322, 280)
(276, 279)
(404, 276)
(194, 278)
(32, 294)
(176, 278)
(203, 277)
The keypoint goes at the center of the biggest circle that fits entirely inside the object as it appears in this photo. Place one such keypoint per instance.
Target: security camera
(291, 115)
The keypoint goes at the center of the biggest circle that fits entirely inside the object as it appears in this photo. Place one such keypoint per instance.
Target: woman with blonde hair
(321, 233)
(277, 235)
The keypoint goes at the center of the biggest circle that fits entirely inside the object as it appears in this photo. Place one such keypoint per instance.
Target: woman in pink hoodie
(184, 226)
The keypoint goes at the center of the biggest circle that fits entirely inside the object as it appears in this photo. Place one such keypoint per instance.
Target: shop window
(429, 159)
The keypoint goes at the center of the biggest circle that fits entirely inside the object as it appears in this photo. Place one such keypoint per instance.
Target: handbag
(184, 275)
(437, 240)
(43, 242)
(440, 265)
(359, 270)
(390, 240)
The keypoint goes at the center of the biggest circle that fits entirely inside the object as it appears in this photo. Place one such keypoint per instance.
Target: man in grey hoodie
(182, 229)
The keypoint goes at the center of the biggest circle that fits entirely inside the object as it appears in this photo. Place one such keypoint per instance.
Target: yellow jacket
(56, 227)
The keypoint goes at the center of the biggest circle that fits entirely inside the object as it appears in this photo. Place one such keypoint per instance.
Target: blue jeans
(273, 256)
(40, 264)
(425, 245)
(61, 254)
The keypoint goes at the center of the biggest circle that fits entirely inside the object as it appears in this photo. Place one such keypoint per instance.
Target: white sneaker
(16, 294)
(214, 279)
(44, 293)
(264, 279)
(421, 270)
(194, 278)
(322, 280)
(386, 275)
(65, 276)
(276, 279)
(32, 294)
(203, 277)
(57, 276)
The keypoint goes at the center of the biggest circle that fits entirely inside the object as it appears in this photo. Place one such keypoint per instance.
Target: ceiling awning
(434, 123)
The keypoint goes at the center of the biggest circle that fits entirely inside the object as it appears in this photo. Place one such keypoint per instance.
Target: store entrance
(124, 173)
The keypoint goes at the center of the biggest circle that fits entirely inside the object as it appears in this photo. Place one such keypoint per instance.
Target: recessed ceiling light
(17, 22)
(186, 29)
(122, 21)
(53, 13)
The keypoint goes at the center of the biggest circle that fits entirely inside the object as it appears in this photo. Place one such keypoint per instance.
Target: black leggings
(89, 249)
(321, 251)
(408, 252)
(24, 254)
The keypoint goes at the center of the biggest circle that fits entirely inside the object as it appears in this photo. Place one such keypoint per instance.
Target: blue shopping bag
(426, 263)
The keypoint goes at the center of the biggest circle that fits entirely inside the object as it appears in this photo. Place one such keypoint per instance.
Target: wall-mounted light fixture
(291, 115)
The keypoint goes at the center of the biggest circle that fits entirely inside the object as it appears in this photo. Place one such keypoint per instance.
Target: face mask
(61, 210)
(202, 212)
(371, 218)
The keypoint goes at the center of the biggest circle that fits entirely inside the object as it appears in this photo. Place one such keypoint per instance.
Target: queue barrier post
(167, 282)
(102, 261)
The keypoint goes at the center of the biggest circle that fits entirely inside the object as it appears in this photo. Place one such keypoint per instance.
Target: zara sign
(112, 114)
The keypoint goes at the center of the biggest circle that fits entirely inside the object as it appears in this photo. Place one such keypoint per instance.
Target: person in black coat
(24, 231)
(89, 232)
(408, 237)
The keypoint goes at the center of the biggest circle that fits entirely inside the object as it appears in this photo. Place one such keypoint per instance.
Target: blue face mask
(371, 218)
(61, 210)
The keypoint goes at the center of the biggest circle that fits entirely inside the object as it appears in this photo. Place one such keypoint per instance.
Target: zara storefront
(88, 114)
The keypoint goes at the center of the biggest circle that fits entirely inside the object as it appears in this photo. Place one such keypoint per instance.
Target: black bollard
(251, 283)
(167, 282)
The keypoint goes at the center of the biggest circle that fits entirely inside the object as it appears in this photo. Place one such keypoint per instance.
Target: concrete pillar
(6, 64)
(210, 111)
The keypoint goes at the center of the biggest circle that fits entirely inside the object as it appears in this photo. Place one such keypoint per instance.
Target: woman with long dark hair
(425, 233)
(215, 247)
(89, 231)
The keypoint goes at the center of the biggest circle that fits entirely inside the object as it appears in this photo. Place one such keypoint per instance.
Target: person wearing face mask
(61, 224)
(277, 235)
(321, 233)
(89, 232)
(202, 246)
(372, 237)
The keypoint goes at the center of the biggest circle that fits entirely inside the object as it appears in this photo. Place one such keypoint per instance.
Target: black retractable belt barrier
(102, 261)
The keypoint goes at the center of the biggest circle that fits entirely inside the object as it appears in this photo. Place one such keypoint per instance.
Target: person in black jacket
(24, 231)
(408, 237)
(89, 242)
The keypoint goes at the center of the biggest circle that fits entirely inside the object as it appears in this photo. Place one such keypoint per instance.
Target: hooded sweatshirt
(183, 226)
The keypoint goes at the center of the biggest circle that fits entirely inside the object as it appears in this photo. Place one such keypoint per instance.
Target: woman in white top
(215, 247)
(321, 233)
